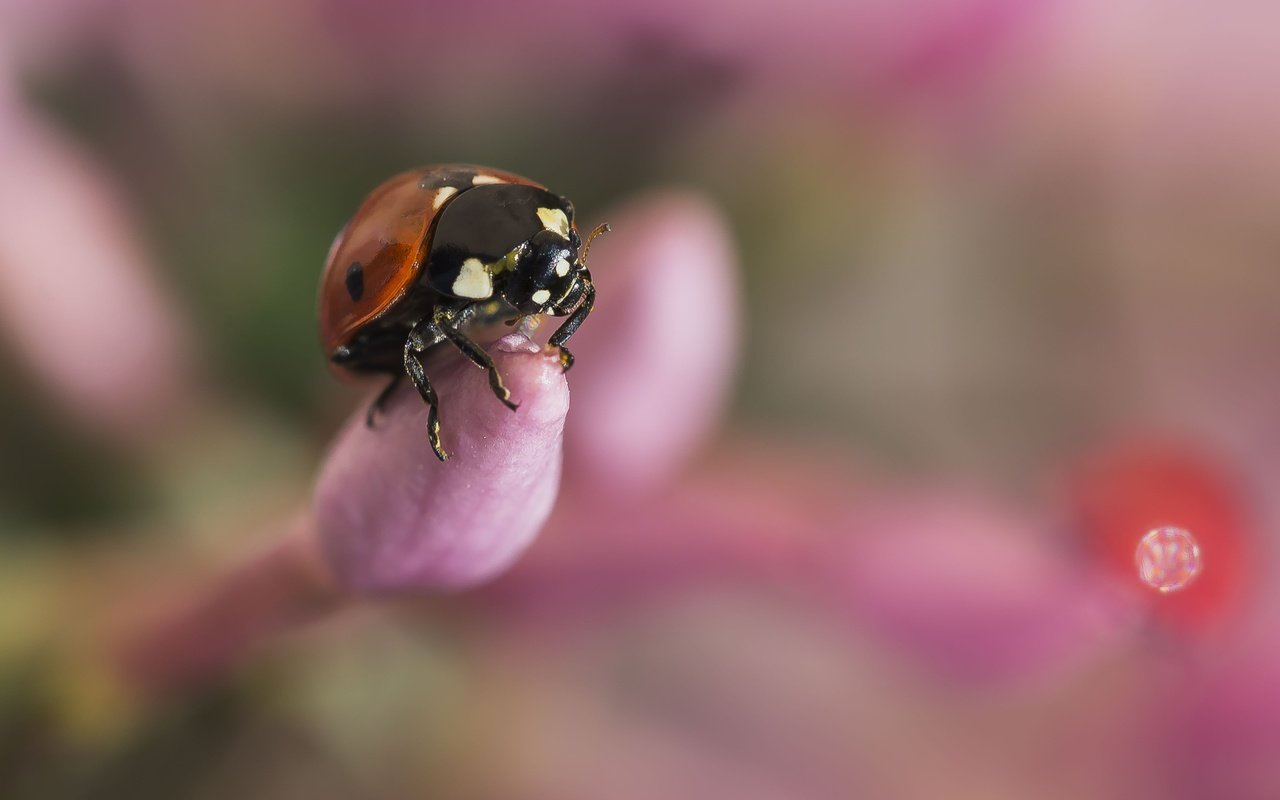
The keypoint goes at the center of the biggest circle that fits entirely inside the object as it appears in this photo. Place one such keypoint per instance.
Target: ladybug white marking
(480, 179)
(554, 220)
(473, 281)
(562, 267)
(442, 195)
(540, 297)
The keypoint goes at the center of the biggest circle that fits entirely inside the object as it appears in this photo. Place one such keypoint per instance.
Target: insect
(436, 250)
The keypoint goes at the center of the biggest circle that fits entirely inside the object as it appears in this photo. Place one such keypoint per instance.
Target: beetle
(433, 251)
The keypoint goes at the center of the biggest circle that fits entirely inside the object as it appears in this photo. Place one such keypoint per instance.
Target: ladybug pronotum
(433, 251)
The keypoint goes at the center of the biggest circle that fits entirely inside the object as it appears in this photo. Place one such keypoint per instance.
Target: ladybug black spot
(355, 281)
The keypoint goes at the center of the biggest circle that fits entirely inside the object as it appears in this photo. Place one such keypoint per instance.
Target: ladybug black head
(547, 278)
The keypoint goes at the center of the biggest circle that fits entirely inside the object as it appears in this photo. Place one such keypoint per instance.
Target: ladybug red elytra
(434, 250)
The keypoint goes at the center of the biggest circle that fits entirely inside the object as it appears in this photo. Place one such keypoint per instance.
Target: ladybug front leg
(572, 324)
(424, 336)
(447, 320)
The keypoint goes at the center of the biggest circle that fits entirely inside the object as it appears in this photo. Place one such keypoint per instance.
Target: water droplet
(1168, 559)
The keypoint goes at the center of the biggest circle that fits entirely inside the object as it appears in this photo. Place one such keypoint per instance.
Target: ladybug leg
(416, 344)
(446, 321)
(379, 404)
(571, 325)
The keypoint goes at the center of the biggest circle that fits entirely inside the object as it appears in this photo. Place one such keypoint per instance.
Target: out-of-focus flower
(79, 302)
(653, 377)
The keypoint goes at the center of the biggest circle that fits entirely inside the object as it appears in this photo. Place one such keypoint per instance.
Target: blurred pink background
(1000, 277)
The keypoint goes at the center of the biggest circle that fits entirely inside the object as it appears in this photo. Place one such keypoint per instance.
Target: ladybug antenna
(604, 228)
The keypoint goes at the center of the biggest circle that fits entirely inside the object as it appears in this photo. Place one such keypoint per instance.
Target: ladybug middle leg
(447, 321)
(422, 337)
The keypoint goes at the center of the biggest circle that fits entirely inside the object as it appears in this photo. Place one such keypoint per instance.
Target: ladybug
(435, 250)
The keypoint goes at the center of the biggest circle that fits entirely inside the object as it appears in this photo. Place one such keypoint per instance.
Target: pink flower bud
(391, 517)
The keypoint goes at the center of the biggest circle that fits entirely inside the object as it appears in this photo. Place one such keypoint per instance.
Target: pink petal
(78, 301)
(1228, 732)
(391, 517)
(748, 514)
(971, 589)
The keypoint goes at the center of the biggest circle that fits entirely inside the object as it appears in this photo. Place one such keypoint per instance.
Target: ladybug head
(545, 274)
(550, 277)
